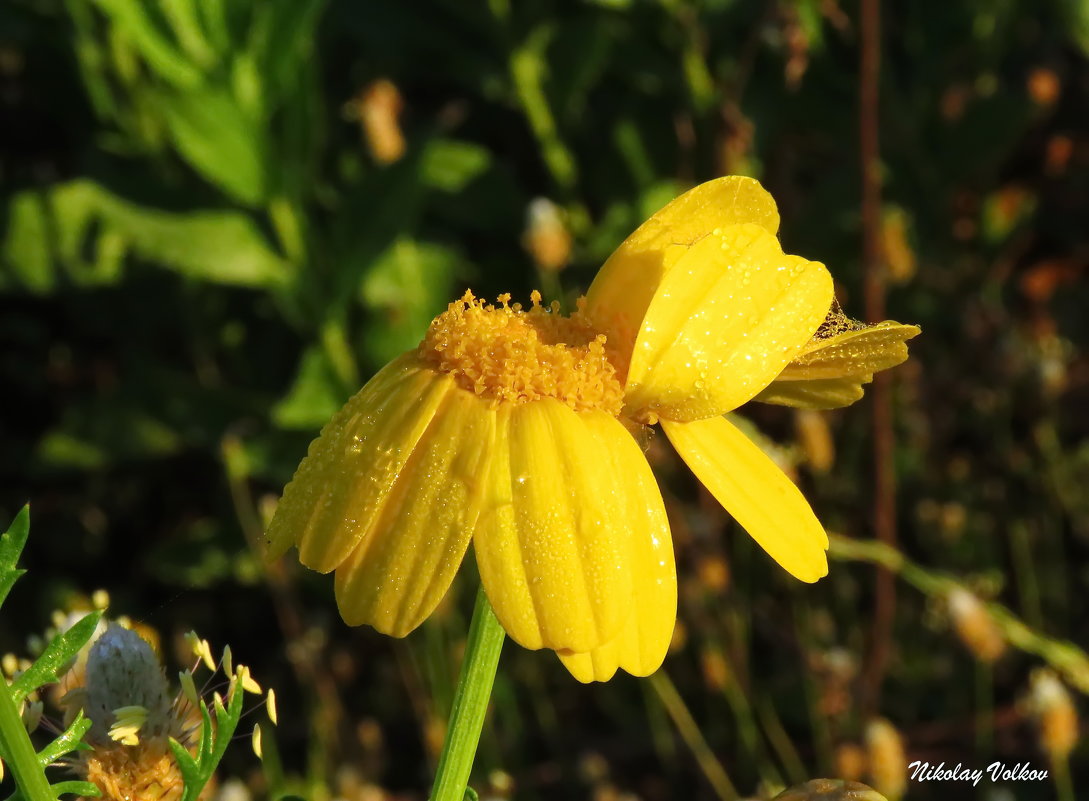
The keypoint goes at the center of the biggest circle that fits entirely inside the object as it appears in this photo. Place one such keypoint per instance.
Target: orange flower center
(508, 353)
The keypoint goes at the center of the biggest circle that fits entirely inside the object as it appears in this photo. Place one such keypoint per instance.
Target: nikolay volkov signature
(996, 771)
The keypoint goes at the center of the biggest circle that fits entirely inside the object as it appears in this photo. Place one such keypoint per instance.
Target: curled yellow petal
(622, 290)
(404, 565)
(819, 393)
(830, 370)
(753, 489)
(339, 489)
(725, 321)
(857, 350)
(552, 542)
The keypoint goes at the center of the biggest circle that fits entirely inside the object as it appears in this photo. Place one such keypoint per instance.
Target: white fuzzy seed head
(122, 672)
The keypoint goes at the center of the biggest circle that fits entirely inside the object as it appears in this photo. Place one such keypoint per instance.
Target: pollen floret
(512, 354)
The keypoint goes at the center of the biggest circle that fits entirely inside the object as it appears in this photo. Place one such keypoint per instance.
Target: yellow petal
(553, 543)
(622, 291)
(755, 492)
(642, 643)
(404, 565)
(867, 349)
(724, 323)
(821, 393)
(340, 487)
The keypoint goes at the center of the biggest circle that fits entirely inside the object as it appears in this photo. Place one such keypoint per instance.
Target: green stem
(19, 751)
(1064, 783)
(693, 737)
(470, 703)
(984, 708)
(1024, 565)
(1066, 657)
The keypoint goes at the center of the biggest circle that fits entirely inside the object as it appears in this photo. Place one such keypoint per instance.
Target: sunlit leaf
(71, 739)
(316, 393)
(57, 227)
(212, 132)
(53, 661)
(405, 287)
(281, 41)
(450, 165)
(77, 788)
(12, 543)
(169, 63)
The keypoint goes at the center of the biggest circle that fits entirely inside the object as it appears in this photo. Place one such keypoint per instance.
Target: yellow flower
(512, 428)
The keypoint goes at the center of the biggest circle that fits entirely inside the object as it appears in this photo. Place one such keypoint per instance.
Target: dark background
(219, 218)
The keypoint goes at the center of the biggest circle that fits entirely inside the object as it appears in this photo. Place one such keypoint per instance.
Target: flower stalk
(470, 703)
(20, 752)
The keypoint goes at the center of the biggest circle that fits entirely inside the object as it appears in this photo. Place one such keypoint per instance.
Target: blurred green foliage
(217, 221)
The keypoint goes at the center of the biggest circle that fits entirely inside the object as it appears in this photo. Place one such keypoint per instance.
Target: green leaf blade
(61, 649)
(71, 739)
(12, 543)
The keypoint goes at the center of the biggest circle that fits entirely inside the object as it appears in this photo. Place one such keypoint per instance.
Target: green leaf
(213, 133)
(1076, 13)
(281, 41)
(450, 165)
(187, 766)
(811, 21)
(12, 543)
(106, 430)
(214, 16)
(85, 789)
(131, 16)
(405, 287)
(26, 250)
(214, 740)
(53, 660)
(71, 739)
(224, 247)
(206, 734)
(183, 16)
(226, 724)
(59, 225)
(315, 394)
